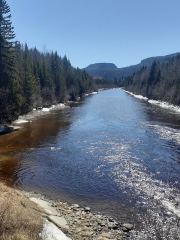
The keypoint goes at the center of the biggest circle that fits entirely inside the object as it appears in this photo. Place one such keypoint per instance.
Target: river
(110, 151)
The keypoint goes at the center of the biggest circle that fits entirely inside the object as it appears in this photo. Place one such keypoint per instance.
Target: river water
(115, 153)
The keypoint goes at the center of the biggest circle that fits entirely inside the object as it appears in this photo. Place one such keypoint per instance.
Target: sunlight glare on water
(118, 154)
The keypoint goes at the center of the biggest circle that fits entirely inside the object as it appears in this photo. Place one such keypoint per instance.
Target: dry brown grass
(20, 218)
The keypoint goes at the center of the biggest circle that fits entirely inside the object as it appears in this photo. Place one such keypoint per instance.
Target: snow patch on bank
(37, 112)
(46, 109)
(156, 102)
(19, 121)
(136, 96)
(51, 232)
(165, 105)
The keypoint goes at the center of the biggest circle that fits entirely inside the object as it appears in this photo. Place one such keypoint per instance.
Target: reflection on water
(118, 154)
(29, 137)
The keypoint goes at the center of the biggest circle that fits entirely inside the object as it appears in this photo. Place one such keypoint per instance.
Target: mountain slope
(111, 71)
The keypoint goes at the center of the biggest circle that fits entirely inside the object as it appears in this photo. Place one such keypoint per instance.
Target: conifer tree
(10, 90)
(6, 44)
(28, 80)
(152, 74)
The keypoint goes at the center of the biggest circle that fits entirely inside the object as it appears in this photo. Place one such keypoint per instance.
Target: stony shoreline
(79, 223)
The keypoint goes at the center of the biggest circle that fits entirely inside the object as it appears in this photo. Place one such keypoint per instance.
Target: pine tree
(28, 81)
(6, 44)
(152, 74)
(57, 73)
(10, 90)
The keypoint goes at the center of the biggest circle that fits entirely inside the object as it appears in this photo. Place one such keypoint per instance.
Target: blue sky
(92, 31)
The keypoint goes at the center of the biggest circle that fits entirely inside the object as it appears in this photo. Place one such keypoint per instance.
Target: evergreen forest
(161, 81)
(31, 79)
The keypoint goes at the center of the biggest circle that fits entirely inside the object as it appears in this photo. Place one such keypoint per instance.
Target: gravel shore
(79, 223)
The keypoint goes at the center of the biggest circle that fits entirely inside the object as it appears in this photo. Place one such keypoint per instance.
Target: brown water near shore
(30, 135)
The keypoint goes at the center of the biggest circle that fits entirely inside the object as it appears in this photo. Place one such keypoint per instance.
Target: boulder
(60, 222)
(45, 206)
(128, 226)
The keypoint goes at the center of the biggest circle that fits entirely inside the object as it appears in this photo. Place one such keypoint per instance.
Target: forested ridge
(30, 78)
(161, 81)
(111, 71)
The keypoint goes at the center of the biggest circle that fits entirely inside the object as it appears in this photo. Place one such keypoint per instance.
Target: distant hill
(111, 71)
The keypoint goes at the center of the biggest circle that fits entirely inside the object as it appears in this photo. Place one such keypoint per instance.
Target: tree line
(30, 78)
(161, 81)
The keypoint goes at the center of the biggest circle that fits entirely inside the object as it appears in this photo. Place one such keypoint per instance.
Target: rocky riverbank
(79, 223)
